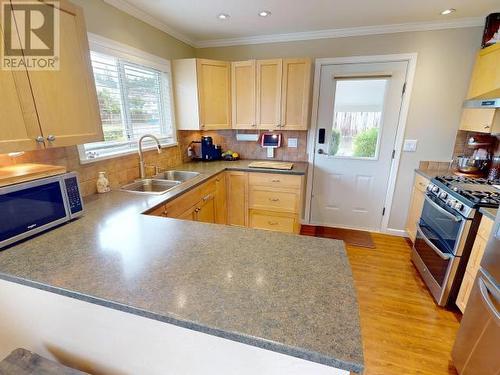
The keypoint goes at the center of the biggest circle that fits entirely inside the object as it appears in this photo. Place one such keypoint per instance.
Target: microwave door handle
(485, 291)
(432, 246)
(441, 209)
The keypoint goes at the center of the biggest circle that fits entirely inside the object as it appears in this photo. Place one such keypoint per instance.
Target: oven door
(31, 207)
(439, 238)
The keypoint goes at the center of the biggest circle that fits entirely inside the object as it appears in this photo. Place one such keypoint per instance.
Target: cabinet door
(206, 209)
(189, 214)
(243, 94)
(485, 80)
(18, 122)
(237, 192)
(66, 99)
(214, 94)
(416, 205)
(296, 88)
(269, 73)
(477, 120)
(220, 199)
(464, 293)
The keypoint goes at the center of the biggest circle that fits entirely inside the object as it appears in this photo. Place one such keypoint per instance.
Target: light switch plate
(293, 142)
(410, 145)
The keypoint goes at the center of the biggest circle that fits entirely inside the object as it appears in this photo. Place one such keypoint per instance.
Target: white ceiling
(196, 22)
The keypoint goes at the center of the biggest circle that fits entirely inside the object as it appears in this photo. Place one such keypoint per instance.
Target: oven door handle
(441, 209)
(432, 246)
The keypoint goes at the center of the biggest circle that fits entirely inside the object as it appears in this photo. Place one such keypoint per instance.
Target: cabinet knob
(51, 138)
(39, 139)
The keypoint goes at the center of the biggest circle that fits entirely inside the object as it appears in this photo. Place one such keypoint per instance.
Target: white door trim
(411, 58)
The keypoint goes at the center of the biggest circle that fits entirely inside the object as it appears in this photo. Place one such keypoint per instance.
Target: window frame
(133, 55)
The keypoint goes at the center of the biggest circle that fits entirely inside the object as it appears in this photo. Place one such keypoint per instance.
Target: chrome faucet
(142, 165)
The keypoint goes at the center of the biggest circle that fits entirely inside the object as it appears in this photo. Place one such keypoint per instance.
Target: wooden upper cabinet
(243, 94)
(214, 94)
(42, 108)
(19, 127)
(269, 74)
(202, 94)
(485, 80)
(296, 89)
(483, 120)
(66, 99)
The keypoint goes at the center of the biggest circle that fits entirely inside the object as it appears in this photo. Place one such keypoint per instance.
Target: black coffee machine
(209, 151)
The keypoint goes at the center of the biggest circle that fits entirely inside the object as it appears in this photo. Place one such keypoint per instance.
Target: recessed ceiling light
(223, 16)
(447, 11)
(264, 13)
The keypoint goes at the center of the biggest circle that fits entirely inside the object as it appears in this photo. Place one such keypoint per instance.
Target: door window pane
(357, 118)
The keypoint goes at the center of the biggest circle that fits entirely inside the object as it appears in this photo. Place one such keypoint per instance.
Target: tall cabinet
(202, 90)
(52, 108)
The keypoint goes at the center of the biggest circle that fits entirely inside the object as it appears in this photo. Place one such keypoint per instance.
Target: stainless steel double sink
(160, 183)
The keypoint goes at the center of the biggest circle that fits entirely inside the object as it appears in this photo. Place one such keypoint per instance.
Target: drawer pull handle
(272, 222)
(275, 180)
(207, 197)
(274, 199)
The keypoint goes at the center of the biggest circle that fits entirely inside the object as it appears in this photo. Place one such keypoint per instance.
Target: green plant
(333, 147)
(365, 143)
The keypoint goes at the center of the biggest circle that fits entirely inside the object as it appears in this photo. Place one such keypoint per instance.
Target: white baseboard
(396, 232)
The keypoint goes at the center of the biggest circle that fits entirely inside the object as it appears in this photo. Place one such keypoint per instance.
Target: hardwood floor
(404, 331)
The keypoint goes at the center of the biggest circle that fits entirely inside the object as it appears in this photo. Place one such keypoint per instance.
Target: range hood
(482, 103)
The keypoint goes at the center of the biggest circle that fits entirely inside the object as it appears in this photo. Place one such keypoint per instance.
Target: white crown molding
(345, 32)
(126, 7)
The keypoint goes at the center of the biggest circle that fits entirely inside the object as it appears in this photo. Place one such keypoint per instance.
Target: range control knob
(429, 187)
(451, 202)
(443, 195)
(458, 206)
(435, 189)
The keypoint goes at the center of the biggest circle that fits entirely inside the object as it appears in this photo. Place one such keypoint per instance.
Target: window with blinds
(134, 99)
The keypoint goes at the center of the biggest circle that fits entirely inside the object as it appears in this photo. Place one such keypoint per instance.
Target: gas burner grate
(478, 191)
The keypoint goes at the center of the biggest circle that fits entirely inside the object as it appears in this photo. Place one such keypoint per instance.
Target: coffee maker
(204, 150)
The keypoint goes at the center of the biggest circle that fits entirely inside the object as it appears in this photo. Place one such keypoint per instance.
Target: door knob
(320, 151)
(51, 138)
(39, 139)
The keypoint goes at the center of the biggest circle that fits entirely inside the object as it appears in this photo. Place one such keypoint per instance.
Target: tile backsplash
(248, 150)
(125, 169)
(120, 170)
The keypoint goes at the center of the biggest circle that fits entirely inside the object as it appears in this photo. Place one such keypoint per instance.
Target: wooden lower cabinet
(483, 234)
(257, 200)
(276, 221)
(237, 192)
(416, 205)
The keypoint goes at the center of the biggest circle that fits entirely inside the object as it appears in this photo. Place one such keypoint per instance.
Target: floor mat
(349, 236)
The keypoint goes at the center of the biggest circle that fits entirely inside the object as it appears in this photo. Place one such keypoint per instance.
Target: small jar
(102, 183)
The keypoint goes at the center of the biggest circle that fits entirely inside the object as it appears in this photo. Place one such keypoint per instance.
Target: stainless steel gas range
(447, 229)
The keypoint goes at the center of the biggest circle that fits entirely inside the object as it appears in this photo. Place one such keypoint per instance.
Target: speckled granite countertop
(490, 213)
(282, 292)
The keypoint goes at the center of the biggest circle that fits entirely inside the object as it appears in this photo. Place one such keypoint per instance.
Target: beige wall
(445, 60)
(107, 21)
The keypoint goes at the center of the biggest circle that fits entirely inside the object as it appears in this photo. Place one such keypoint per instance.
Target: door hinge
(383, 211)
(404, 89)
(393, 154)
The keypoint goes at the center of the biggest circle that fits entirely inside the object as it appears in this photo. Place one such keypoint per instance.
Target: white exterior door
(358, 115)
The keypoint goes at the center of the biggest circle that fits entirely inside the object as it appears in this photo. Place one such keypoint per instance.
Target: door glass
(357, 118)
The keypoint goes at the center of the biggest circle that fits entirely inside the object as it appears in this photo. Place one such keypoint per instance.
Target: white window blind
(134, 99)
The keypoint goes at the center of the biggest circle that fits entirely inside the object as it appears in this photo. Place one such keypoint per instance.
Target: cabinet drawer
(275, 180)
(464, 293)
(273, 200)
(476, 255)
(421, 183)
(272, 221)
(485, 228)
